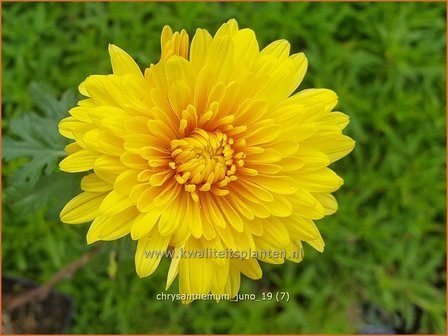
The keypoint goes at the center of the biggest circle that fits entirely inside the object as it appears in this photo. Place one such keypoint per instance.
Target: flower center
(204, 161)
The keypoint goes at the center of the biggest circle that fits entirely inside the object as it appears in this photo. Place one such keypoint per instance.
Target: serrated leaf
(50, 191)
(36, 137)
(45, 100)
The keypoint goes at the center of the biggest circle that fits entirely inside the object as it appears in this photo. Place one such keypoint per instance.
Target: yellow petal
(122, 63)
(108, 168)
(240, 206)
(199, 48)
(82, 208)
(173, 44)
(246, 46)
(284, 77)
(334, 145)
(279, 49)
(194, 219)
(226, 237)
(170, 219)
(220, 58)
(134, 161)
(302, 229)
(294, 251)
(114, 203)
(72, 148)
(280, 206)
(144, 223)
(318, 244)
(135, 142)
(208, 230)
(145, 195)
(145, 175)
(160, 178)
(267, 155)
(104, 142)
(181, 235)
(113, 227)
(267, 168)
(275, 233)
(276, 183)
(306, 204)
(195, 273)
(166, 35)
(322, 180)
(98, 88)
(174, 267)
(268, 253)
(291, 164)
(109, 118)
(79, 162)
(244, 242)
(230, 28)
(159, 129)
(312, 159)
(68, 125)
(168, 194)
(220, 277)
(262, 135)
(250, 111)
(256, 207)
(212, 211)
(337, 118)
(311, 97)
(82, 89)
(249, 267)
(328, 202)
(149, 253)
(233, 218)
(253, 191)
(233, 283)
(93, 183)
(180, 96)
(125, 181)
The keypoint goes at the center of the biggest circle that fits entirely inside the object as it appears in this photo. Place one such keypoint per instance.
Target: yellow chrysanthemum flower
(207, 150)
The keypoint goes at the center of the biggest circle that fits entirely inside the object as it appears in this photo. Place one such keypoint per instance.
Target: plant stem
(42, 291)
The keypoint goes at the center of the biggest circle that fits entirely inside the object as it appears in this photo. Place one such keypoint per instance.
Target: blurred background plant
(384, 262)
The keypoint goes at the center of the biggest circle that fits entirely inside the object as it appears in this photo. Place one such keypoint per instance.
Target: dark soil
(51, 315)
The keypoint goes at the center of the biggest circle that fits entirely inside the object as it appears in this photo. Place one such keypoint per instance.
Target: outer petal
(111, 228)
(122, 63)
(149, 253)
(284, 76)
(80, 161)
(174, 44)
(279, 49)
(199, 47)
(82, 208)
(195, 273)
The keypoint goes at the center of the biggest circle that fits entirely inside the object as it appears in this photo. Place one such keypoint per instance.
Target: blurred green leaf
(52, 192)
(36, 137)
(37, 182)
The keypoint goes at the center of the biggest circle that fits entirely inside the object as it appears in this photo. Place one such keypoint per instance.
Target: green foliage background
(384, 261)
